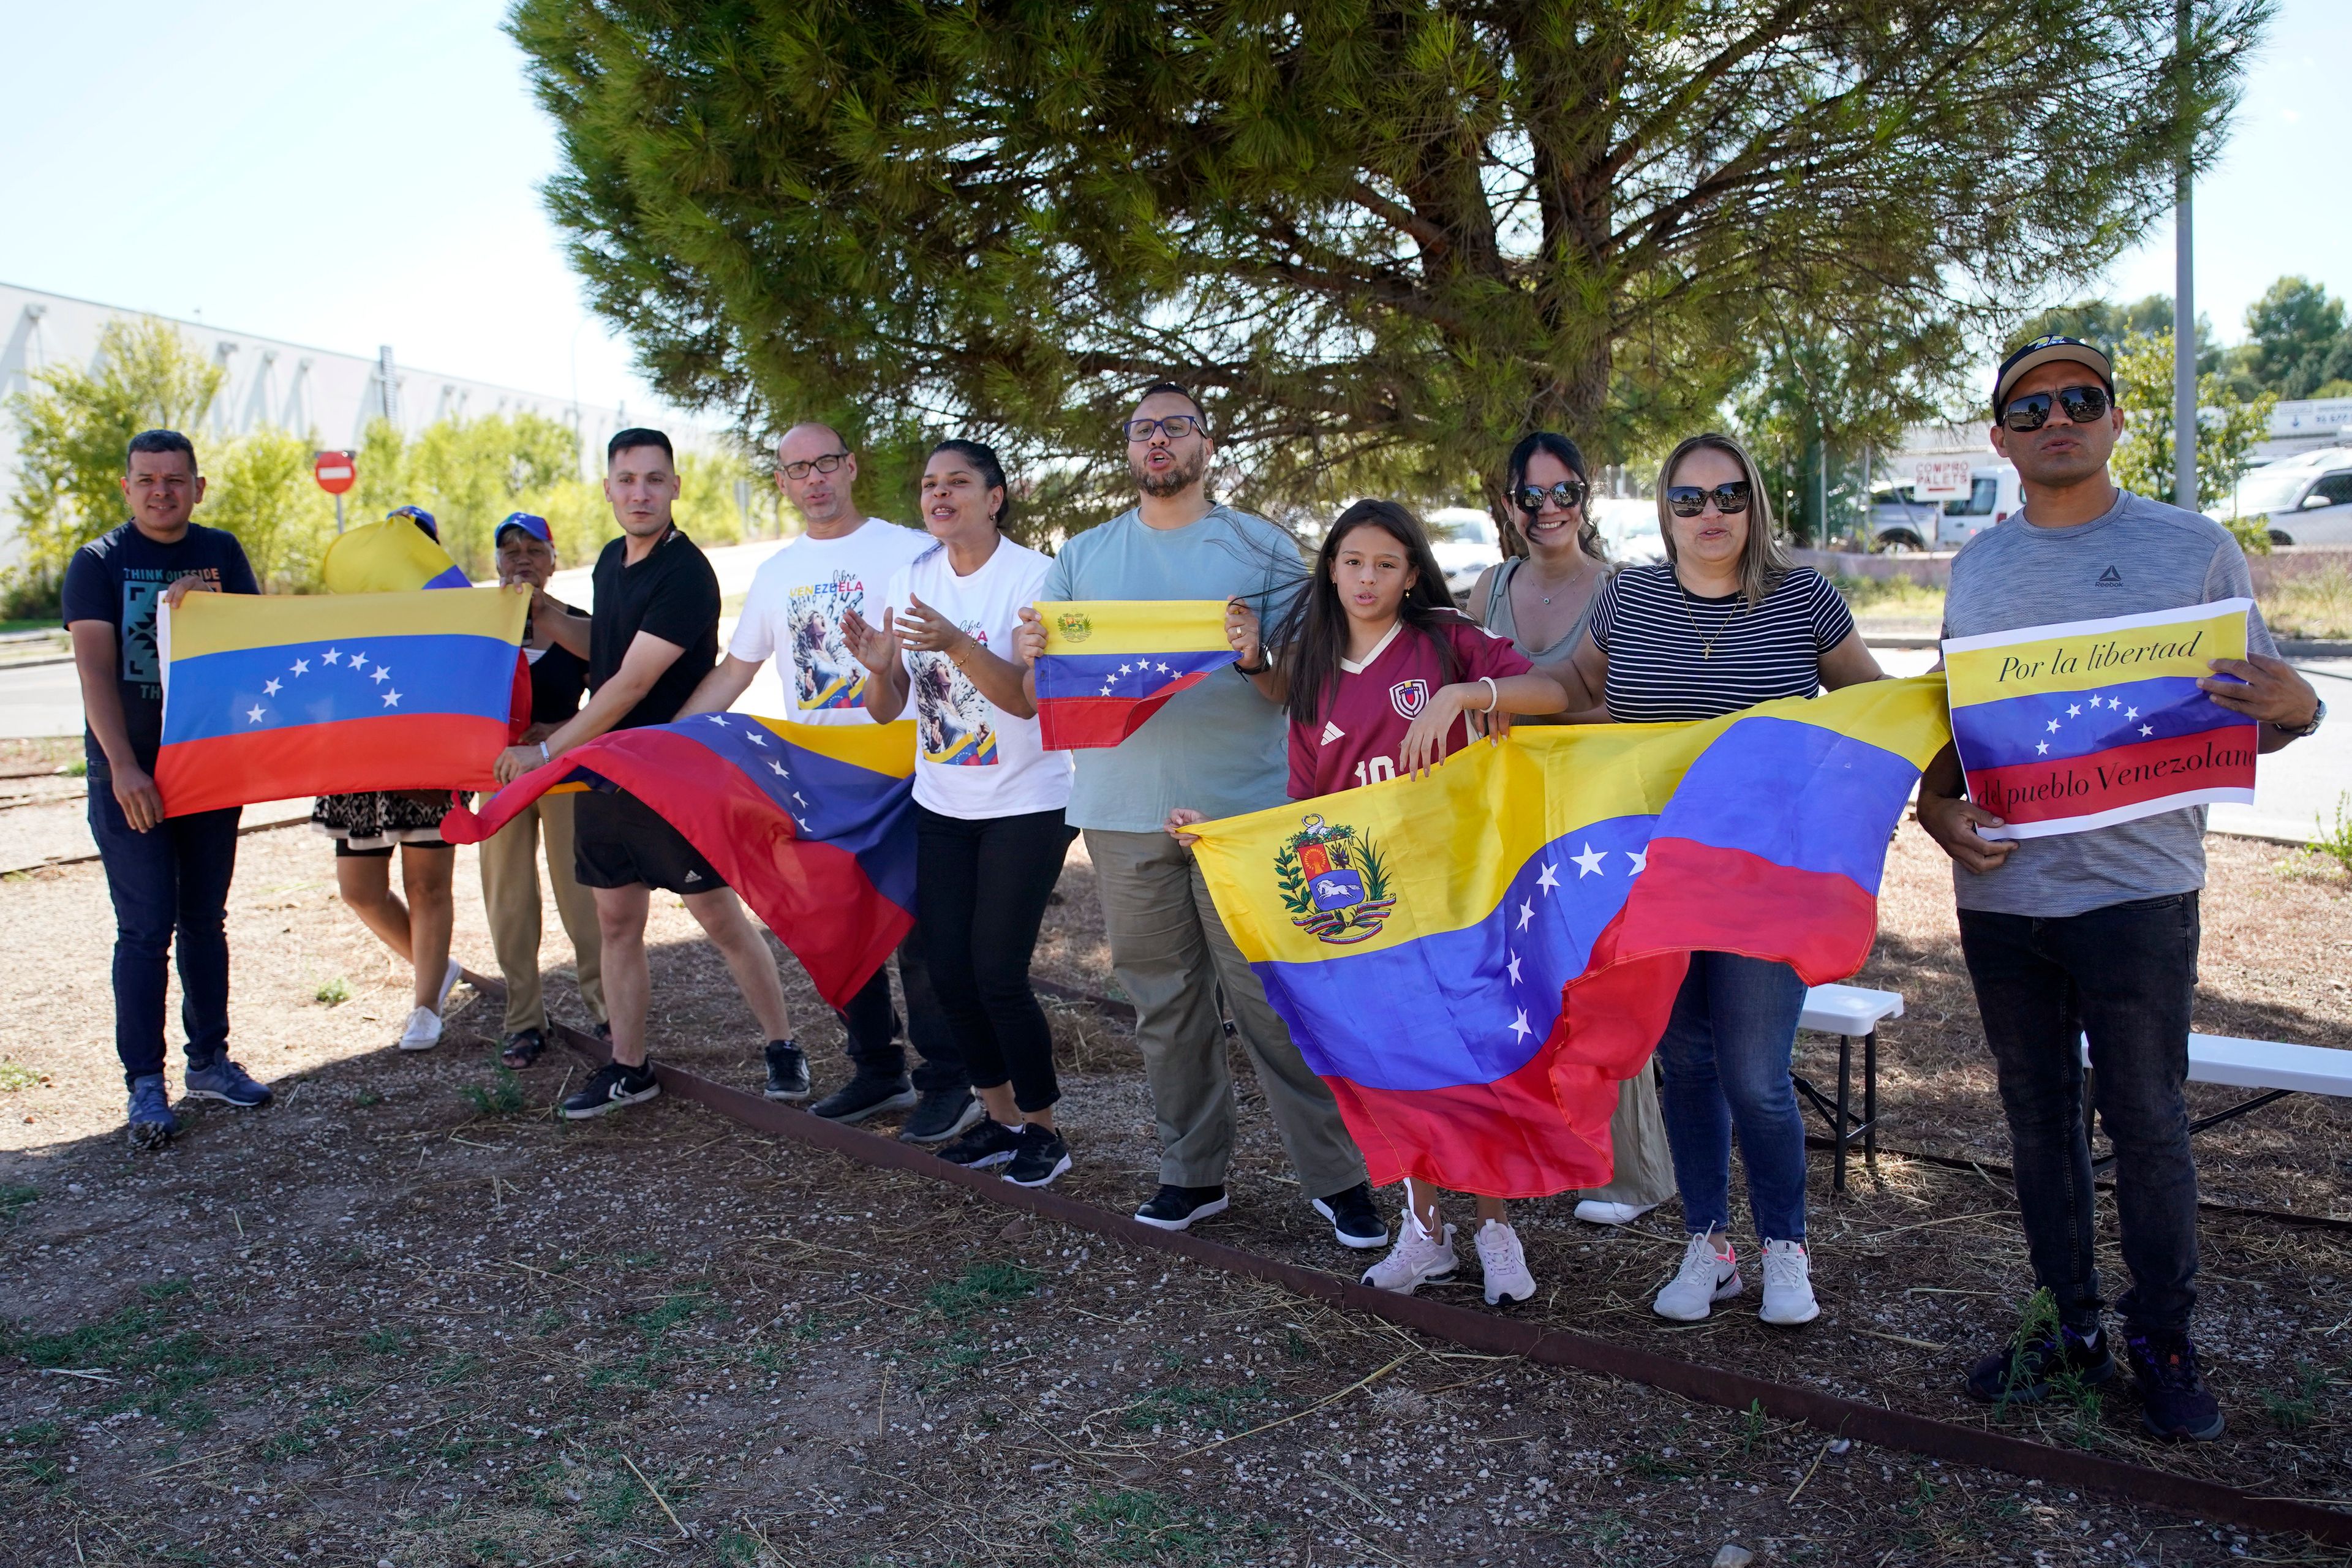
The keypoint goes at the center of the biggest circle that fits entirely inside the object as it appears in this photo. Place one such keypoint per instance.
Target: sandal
(522, 1047)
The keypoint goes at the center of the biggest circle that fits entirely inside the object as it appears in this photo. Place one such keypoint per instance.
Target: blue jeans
(171, 879)
(1725, 1058)
(2124, 975)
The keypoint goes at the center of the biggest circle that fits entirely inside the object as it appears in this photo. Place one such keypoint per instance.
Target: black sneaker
(787, 1071)
(2173, 1399)
(1040, 1157)
(989, 1143)
(939, 1115)
(863, 1097)
(614, 1086)
(1175, 1208)
(2028, 1369)
(1352, 1218)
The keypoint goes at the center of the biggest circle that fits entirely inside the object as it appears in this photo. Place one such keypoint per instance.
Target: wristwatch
(2319, 711)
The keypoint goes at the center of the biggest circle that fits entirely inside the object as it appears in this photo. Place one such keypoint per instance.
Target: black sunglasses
(1689, 500)
(1178, 425)
(2031, 411)
(1564, 495)
(823, 465)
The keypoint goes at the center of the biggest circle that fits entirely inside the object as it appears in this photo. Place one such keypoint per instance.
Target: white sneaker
(1706, 1278)
(1601, 1210)
(424, 1031)
(448, 984)
(1788, 1285)
(1504, 1263)
(1417, 1258)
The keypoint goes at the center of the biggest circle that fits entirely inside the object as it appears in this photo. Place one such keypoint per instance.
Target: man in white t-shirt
(793, 613)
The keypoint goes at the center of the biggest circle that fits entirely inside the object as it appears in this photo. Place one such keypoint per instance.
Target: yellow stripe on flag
(2083, 655)
(887, 748)
(221, 623)
(393, 556)
(1133, 625)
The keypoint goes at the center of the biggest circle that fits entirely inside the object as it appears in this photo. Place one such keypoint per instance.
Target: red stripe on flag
(1512, 1137)
(1078, 723)
(396, 750)
(2219, 758)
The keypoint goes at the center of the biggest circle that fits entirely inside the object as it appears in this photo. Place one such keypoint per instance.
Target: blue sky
(346, 178)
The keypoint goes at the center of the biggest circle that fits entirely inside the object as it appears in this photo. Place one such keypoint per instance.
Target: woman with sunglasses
(1541, 601)
(1724, 622)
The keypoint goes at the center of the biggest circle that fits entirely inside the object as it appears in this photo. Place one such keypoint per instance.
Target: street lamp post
(2184, 298)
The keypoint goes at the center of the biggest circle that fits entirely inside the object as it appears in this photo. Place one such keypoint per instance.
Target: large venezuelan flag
(393, 556)
(1474, 959)
(1109, 665)
(813, 826)
(265, 698)
(2074, 726)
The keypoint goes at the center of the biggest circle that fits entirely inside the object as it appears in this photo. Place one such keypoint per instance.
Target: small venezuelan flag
(1109, 665)
(2074, 726)
(813, 826)
(265, 698)
(1474, 959)
(393, 556)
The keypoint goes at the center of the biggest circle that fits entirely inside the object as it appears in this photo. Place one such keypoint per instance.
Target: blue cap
(420, 517)
(530, 522)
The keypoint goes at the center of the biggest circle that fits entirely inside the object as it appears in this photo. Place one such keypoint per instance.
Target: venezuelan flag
(393, 556)
(813, 825)
(2077, 725)
(265, 698)
(1109, 665)
(1473, 959)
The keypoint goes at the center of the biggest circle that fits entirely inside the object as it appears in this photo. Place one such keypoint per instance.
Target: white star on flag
(329, 657)
(1124, 668)
(720, 719)
(2042, 748)
(1546, 881)
(1527, 913)
(2148, 728)
(2130, 712)
(1514, 966)
(253, 715)
(801, 798)
(302, 668)
(2054, 726)
(391, 698)
(778, 769)
(271, 686)
(1166, 670)
(1519, 1025)
(756, 738)
(2074, 710)
(1587, 864)
(1640, 858)
(358, 658)
(1104, 692)
(383, 673)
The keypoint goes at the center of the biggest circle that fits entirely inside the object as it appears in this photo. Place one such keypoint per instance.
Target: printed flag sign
(268, 696)
(2065, 728)
(1474, 959)
(813, 826)
(1109, 665)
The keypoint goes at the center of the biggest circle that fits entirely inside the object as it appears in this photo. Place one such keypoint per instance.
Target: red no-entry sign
(335, 472)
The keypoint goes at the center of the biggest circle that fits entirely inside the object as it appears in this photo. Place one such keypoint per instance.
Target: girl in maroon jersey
(1383, 675)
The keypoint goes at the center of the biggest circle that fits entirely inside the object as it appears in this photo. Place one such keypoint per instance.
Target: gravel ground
(404, 1317)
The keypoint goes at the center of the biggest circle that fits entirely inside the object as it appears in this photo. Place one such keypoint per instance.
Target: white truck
(1902, 519)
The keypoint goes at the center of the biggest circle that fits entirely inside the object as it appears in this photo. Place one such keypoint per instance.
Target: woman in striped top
(1724, 623)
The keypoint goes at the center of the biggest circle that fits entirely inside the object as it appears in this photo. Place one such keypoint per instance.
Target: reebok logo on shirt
(1332, 732)
(2111, 577)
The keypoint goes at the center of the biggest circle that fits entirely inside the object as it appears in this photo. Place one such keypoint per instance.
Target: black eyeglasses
(823, 465)
(2032, 410)
(1176, 425)
(1689, 500)
(1565, 495)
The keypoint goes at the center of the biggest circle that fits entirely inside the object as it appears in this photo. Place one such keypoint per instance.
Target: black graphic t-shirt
(120, 577)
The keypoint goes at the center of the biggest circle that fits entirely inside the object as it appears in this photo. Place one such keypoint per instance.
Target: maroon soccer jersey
(1357, 740)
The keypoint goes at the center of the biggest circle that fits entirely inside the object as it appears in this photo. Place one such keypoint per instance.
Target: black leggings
(980, 888)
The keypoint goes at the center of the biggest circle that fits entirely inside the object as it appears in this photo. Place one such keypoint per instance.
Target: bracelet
(543, 758)
(1264, 664)
(1494, 696)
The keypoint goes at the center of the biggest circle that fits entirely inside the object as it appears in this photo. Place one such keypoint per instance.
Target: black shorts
(344, 850)
(618, 841)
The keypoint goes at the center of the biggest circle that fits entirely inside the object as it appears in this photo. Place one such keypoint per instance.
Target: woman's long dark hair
(1310, 637)
(1515, 474)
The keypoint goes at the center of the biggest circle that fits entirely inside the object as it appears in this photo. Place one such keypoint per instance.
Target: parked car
(1465, 541)
(2307, 498)
(1629, 528)
(1899, 520)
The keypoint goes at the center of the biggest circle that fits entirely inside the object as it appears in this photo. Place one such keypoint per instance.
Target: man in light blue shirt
(1218, 748)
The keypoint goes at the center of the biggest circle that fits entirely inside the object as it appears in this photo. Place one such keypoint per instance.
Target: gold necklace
(1706, 644)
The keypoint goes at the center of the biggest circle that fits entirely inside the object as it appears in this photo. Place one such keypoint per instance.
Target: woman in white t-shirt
(990, 836)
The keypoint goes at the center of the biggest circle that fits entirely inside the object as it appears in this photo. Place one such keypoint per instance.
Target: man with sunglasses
(792, 613)
(1221, 748)
(2096, 933)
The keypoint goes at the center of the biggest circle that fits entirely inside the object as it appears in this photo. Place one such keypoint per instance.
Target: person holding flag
(1724, 623)
(989, 831)
(793, 613)
(1382, 675)
(2091, 935)
(1216, 747)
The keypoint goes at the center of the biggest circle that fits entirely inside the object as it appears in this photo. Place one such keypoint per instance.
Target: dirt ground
(404, 1317)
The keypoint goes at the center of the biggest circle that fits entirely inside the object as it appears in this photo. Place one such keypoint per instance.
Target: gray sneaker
(223, 1080)
(152, 1124)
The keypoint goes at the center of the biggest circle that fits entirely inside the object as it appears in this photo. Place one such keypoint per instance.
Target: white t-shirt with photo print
(972, 759)
(792, 613)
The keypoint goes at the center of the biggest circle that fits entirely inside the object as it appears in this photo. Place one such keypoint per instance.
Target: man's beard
(1180, 476)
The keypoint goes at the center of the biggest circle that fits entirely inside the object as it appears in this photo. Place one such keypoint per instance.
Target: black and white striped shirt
(1673, 656)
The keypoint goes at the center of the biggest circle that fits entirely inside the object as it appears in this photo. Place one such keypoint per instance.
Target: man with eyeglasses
(2095, 933)
(1221, 747)
(792, 613)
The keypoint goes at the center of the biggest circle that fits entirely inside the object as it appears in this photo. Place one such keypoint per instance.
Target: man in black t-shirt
(652, 637)
(167, 876)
